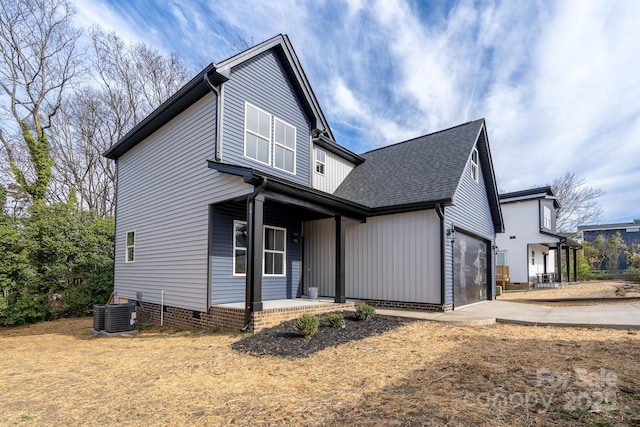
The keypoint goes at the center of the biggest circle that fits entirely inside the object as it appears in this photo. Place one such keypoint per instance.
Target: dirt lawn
(582, 293)
(422, 373)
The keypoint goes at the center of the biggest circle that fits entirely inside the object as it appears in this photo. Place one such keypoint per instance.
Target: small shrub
(365, 312)
(336, 320)
(307, 325)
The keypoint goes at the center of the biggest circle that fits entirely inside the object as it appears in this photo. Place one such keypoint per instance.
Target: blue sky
(558, 82)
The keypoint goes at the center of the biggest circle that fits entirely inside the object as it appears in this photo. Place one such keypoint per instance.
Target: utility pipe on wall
(162, 308)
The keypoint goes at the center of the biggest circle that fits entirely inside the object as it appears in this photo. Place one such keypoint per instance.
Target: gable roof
(421, 171)
(219, 73)
(545, 192)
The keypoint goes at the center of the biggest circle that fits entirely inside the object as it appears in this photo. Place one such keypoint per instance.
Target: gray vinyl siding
(225, 287)
(263, 82)
(470, 211)
(164, 192)
(336, 170)
(391, 257)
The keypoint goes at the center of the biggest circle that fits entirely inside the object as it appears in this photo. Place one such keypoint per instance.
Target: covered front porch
(256, 251)
(560, 264)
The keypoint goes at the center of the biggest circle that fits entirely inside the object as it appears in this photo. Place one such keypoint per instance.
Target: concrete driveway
(618, 316)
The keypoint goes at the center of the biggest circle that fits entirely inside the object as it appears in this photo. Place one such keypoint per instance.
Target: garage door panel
(470, 264)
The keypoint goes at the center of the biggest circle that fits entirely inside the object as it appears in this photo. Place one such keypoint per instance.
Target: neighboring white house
(530, 244)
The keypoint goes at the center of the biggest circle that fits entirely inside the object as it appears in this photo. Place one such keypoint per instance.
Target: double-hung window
(474, 164)
(239, 248)
(131, 246)
(257, 134)
(284, 150)
(274, 257)
(321, 159)
(547, 217)
(274, 251)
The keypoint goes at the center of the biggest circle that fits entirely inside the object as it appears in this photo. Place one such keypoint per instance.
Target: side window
(131, 246)
(239, 248)
(474, 164)
(284, 150)
(321, 159)
(501, 258)
(274, 251)
(547, 217)
(533, 257)
(257, 134)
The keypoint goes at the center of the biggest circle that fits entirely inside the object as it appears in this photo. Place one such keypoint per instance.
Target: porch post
(566, 251)
(340, 249)
(254, 255)
(575, 265)
(559, 262)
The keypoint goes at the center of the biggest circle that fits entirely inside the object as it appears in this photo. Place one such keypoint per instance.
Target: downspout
(440, 212)
(247, 309)
(216, 145)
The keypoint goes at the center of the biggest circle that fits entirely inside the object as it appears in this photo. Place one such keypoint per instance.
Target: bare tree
(38, 61)
(578, 203)
(129, 83)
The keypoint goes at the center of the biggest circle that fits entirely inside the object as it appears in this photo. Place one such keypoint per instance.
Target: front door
(469, 270)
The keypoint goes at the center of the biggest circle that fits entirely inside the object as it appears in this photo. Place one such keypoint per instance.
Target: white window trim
(284, 253)
(246, 251)
(245, 130)
(127, 246)
(295, 137)
(504, 255)
(475, 172)
(324, 164)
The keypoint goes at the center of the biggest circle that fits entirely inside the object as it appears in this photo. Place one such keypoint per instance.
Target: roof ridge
(422, 136)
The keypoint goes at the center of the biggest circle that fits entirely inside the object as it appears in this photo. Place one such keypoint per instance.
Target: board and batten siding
(522, 222)
(263, 82)
(227, 288)
(336, 170)
(470, 211)
(164, 192)
(391, 257)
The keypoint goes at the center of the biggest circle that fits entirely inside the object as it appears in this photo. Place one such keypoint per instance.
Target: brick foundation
(232, 319)
(421, 306)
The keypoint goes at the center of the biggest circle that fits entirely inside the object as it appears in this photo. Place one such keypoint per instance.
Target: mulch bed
(284, 341)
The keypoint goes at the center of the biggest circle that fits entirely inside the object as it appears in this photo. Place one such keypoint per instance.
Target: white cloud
(557, 81)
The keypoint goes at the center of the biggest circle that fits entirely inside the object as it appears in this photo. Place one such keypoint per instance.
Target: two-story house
(233, 199)
(530, 246)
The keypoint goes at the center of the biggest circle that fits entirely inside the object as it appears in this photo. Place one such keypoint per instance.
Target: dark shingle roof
(419, 170)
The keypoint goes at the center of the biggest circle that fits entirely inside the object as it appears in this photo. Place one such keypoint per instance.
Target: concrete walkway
(618, 316)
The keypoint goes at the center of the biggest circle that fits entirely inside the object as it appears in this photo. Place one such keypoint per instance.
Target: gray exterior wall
(263, 82)
(164, 192)
(470, 211)
(225, 287)
(391, 257)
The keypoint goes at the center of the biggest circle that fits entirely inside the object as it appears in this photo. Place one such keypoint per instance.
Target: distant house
(534, 251)
(234, 199)
(629, 231)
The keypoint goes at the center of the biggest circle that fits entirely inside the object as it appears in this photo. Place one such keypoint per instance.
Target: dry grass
(582, 293)
(424, 373)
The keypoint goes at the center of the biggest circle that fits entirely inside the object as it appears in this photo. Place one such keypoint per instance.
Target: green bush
(307, 325)
(365, 312)
(336, 320)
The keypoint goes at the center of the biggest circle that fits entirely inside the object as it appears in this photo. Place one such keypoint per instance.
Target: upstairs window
(274, 251)
(131, 246)
(284, 150)
(547, 217)
(257, 135)
(321, 159)
(474, 164)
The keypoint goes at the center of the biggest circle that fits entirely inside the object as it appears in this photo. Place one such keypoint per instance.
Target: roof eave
(191, 92)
